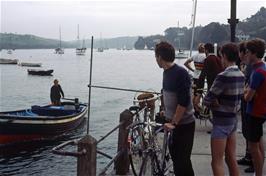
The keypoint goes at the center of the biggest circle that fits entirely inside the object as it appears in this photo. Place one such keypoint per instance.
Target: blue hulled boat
(40, 122)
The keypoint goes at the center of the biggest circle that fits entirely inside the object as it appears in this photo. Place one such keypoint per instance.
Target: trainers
(250, 169)
(244, 161)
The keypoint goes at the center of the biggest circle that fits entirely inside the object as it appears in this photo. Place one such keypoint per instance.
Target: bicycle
(145, 155)
(148, 158)
(204, 112)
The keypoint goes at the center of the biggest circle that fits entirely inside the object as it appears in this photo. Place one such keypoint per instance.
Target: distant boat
(27, 64)
(59, 50)
(181, 55)
(8, 61)
(100, 49)
(80, 50)
(9, 51)
(40, 72)
(40, 122)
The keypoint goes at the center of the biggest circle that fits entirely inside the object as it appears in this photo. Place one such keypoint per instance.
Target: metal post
(233, 21)
(122, 162)
(87, 162)
(89, 102)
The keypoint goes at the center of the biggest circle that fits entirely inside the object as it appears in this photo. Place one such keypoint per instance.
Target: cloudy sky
(114, 18)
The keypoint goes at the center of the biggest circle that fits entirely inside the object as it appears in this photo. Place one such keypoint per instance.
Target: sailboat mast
(178, 36)
(193, 25)
(78, 33)
(60, 37)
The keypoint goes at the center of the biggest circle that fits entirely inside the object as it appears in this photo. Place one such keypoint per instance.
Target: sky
(113, 18)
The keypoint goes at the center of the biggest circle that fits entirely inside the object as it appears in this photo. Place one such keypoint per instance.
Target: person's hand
(196, 102)
(162, 113)
(169, 126)
(215, 104)
(245, 89)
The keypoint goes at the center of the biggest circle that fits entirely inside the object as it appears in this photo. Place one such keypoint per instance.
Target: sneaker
(250, 169)
(244, 161)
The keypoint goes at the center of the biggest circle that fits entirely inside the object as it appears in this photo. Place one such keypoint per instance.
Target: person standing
(224, 99)
(198, 60)
(255, 96)
(211, 67)
(55, 93)
(178, 109)
(246, 69)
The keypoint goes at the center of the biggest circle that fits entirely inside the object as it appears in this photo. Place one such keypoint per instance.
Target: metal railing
(87, 160)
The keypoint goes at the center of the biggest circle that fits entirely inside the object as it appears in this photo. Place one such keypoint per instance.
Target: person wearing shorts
(255, 96)
(246, 69)
(224, 99)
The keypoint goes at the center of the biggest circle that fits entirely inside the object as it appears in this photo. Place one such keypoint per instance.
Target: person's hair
(166, 51)
(201, 47)
(55, 80)
(256, 46)
(230, 50)
(242, 47)
(209, 47)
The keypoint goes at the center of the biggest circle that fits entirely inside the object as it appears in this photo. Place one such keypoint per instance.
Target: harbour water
(126, 69)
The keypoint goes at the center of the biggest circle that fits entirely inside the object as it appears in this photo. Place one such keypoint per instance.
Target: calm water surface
(126, 69)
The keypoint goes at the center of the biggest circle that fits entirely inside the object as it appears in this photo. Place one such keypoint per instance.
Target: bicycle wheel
(136, 146)
(150, 165)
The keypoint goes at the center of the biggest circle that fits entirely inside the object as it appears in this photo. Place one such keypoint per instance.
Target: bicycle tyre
(136, 147)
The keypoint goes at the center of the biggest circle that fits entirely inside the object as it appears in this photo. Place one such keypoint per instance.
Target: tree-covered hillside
(255, 26)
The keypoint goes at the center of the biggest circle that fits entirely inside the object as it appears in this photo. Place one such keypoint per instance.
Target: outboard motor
(76, 103)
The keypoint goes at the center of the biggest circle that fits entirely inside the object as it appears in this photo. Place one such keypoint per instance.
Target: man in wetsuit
(56, 92)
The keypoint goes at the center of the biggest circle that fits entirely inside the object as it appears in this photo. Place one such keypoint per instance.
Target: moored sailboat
(59, 50)
(80, 50)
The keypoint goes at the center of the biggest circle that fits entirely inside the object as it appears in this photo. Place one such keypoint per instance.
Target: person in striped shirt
(224, 99)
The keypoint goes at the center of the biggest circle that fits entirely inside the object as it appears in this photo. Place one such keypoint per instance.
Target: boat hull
(41, 72)
(24, 64)
(14, 130)
(8, 61)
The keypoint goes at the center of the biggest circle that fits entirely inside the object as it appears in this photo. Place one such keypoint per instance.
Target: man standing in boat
(56, 92)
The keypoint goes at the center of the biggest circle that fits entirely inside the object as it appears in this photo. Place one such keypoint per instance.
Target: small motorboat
(181, 55)
(59, 51)
(80, 51)
(8, 61)
(9, 51)
(40, 72)
(40, 122)
(100, 50)
(27, 64)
